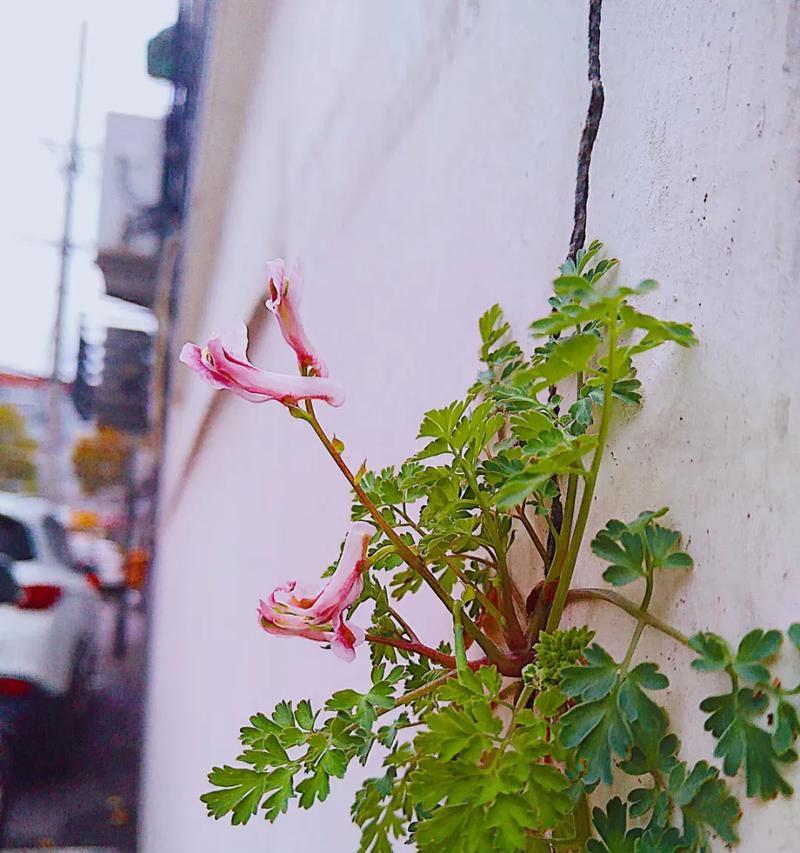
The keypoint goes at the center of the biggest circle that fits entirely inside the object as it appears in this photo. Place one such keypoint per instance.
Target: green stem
(640, 623)
(565, 577)
(413, 560)
(479, 593)
(482, 560)
(413, 695)
(411, 523)
(410, 697)
(522, 701)
(402, 548)
(462, 665)
(513, 630)
(583, 822)
(566, 528)
(632, 609)
(381, 553)
(514, 635)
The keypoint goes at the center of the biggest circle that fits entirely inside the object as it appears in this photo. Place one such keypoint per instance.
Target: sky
(38, 66)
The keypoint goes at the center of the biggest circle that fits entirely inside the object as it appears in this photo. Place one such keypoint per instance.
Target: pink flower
(291, 611)
(284, 301)
(223, 363)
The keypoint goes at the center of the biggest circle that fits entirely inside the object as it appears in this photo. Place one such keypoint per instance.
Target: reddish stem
(435, 655)
(508, 665)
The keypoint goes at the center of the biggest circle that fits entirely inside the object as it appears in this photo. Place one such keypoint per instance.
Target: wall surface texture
(419, 156)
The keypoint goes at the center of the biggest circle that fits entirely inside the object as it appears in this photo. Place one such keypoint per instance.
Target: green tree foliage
(18, 471)
(100, 460)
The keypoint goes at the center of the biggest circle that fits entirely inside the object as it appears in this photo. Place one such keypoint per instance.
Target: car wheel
(6, 785)
(68, 718)
(79, 697)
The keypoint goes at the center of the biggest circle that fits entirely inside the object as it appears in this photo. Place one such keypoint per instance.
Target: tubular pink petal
(345, 639)
(289, 625)
(314, 634)
(229, 368)
(284, 301)
(293, 610)
(296, 280)
(235, 343)
(276, 275)
(191, 356)
(288, 390)
(346, 583)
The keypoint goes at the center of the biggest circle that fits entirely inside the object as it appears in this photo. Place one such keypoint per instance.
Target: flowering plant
(495, 738)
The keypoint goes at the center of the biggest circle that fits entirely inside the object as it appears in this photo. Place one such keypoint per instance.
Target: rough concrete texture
(419, 157)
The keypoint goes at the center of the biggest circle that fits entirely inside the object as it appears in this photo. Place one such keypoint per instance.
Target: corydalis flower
(291, 611)
(284, 302)
(223, 363)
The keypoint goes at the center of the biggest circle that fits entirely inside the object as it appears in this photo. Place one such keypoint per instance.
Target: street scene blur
(93, 176)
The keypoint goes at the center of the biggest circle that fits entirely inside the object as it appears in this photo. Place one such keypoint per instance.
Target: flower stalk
(413, 560)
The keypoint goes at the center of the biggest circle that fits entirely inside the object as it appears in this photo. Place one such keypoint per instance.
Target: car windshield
(15, 540)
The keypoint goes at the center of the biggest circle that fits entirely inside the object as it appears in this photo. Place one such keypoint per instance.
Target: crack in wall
(592, 124)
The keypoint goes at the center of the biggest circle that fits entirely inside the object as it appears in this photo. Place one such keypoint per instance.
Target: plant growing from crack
(496, 741)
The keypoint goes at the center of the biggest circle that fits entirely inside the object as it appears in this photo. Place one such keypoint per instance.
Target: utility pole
(71, 173)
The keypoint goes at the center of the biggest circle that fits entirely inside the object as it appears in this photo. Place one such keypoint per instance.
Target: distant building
(129, 222)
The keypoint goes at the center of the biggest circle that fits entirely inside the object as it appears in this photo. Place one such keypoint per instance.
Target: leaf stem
(522, 701)
(411, 523)
(479, 593)
(529, 529)
(462, 664)
(419, 692)
(412, 634)
(632, 609)
(410, 697)
(515, 636)
(566, 573)
(640, 623)
(482, 560)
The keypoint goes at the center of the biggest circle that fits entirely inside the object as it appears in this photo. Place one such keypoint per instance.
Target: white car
(48, 622)
(101, 557)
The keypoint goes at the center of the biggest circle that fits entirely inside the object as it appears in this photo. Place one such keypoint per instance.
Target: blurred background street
(93, 803)
(92, 177)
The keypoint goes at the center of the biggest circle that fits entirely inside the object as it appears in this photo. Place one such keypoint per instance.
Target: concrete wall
(419, 157)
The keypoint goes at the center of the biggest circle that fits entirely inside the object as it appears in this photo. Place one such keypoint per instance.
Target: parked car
(6, 781)
(100, 557)
(48, 619)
